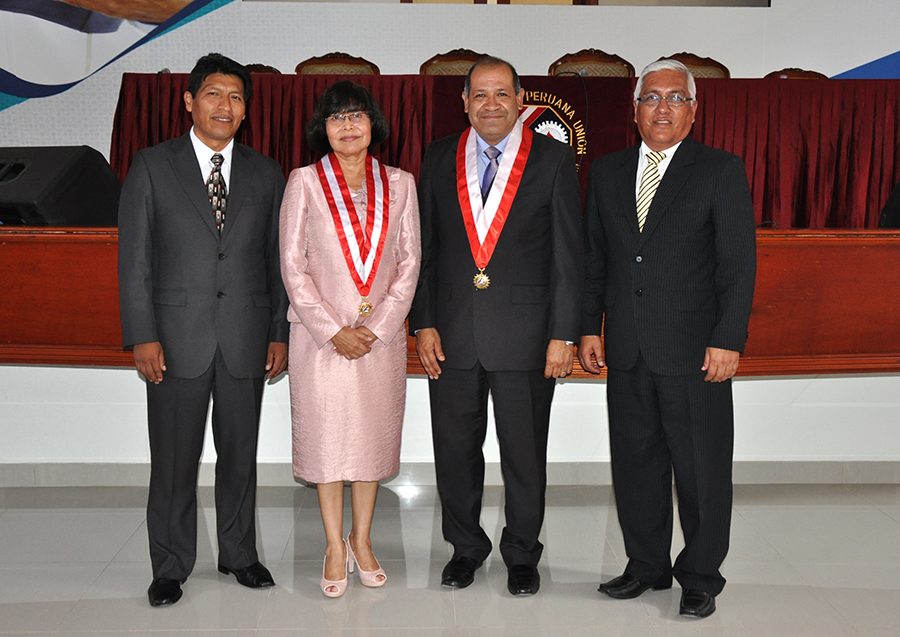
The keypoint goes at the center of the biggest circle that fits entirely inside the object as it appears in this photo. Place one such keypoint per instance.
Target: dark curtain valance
(819, 153)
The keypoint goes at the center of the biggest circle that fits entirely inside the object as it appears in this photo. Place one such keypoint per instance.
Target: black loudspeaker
(57, 186)
(890, 214)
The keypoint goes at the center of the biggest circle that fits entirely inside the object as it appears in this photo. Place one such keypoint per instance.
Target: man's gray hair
(666, 65)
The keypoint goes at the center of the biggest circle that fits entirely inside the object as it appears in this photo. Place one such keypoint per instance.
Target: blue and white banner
(48, 46)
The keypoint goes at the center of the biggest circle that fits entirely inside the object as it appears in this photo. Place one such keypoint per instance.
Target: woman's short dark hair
(344, 97)
(218, 63)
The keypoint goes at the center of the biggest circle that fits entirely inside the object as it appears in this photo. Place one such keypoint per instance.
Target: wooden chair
(593, 62)
(795, 74)
(455, 62)
(263, 68)
(336, 64)
(701, 67)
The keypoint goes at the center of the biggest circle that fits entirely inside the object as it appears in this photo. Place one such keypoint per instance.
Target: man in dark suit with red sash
(671, 269)
(496, 311)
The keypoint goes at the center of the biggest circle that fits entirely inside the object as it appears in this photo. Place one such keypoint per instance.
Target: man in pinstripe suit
(670, 275)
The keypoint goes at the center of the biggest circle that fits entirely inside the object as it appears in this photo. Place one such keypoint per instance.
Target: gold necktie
(649, 183)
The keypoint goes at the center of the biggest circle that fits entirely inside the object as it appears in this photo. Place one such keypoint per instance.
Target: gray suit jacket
(686, 282)
(182, 284)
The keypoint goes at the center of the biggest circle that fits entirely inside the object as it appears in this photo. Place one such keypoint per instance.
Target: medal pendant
(365, 308)
(482, 281)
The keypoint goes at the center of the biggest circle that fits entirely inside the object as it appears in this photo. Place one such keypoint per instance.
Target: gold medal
(365, 308)
(482, 281)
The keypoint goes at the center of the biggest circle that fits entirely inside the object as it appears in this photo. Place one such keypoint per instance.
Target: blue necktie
(490, 172)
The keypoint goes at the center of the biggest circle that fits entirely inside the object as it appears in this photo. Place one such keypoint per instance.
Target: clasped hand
(353, 342)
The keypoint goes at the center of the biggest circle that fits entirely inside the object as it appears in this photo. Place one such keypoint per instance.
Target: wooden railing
(827, 302)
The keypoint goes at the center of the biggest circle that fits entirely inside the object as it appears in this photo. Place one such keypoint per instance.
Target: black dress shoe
(254, 576)
(523, 579)
(627, 586)
(164, 591)
(459, 572)
(696, 603)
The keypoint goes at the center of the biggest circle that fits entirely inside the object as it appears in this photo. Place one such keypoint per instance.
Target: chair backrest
(336, 64)
(455, 62)
(701, 67)
(263, 68)
(593, 62)
(795, 74)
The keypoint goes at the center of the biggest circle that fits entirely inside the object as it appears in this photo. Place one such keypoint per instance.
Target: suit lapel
(239, 185)
(187, 171)
(680, 168)
(627, 180)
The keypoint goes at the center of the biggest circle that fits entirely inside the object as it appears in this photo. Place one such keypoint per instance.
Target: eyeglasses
(675, 101)
(356, 118)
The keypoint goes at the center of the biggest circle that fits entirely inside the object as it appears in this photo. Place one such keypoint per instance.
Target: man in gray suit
(671, 269)
(204, 308)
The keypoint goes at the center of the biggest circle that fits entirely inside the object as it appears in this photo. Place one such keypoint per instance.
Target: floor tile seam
(868, 562)
(603, 530)
(763, 538)
(291, 534)
(67, 510)
(454, 593)
(80, 599)
(32, 563)
(817, 591)
(782, 508)
(130, 537)
(888, 515)
(270, 594)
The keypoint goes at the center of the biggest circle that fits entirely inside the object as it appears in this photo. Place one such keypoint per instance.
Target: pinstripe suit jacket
(686, 282)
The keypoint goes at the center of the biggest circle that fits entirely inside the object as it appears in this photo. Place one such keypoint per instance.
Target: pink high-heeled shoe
(372, 579)
(338, 586)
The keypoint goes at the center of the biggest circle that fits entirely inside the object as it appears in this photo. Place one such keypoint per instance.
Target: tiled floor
(805, 561)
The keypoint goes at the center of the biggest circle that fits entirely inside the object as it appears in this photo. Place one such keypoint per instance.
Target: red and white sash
(362, 259)
(484, 220)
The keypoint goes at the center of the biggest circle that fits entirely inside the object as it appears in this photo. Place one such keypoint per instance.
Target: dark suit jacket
(536, 271)
(182, 284)
(686, 282)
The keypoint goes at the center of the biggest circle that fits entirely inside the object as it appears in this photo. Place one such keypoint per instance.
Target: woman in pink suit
(350, 253)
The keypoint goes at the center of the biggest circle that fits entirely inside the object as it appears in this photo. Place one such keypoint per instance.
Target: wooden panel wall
(825, 303)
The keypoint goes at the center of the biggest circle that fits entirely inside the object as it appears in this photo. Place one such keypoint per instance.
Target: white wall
(830, 36)
(80, 415)
(98, 415)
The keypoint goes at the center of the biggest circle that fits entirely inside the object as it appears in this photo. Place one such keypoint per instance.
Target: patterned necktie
(649, 183)
(490, 172)
(216, 191)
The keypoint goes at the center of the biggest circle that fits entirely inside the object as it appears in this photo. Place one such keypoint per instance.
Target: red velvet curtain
(819, 153)
(151, 110)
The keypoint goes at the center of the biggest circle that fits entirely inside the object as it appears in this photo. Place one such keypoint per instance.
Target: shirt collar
(204, 154)
(481, 145)
(668, 151)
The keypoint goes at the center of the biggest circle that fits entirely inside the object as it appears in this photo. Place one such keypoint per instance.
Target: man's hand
(720, 364)
(428, 346)
(559, 359)
(149, 360)
(590, 353)
(276, 359)
(152, 11)
(351, 343)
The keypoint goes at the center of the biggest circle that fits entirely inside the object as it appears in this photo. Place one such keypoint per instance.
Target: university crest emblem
(546, 114)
